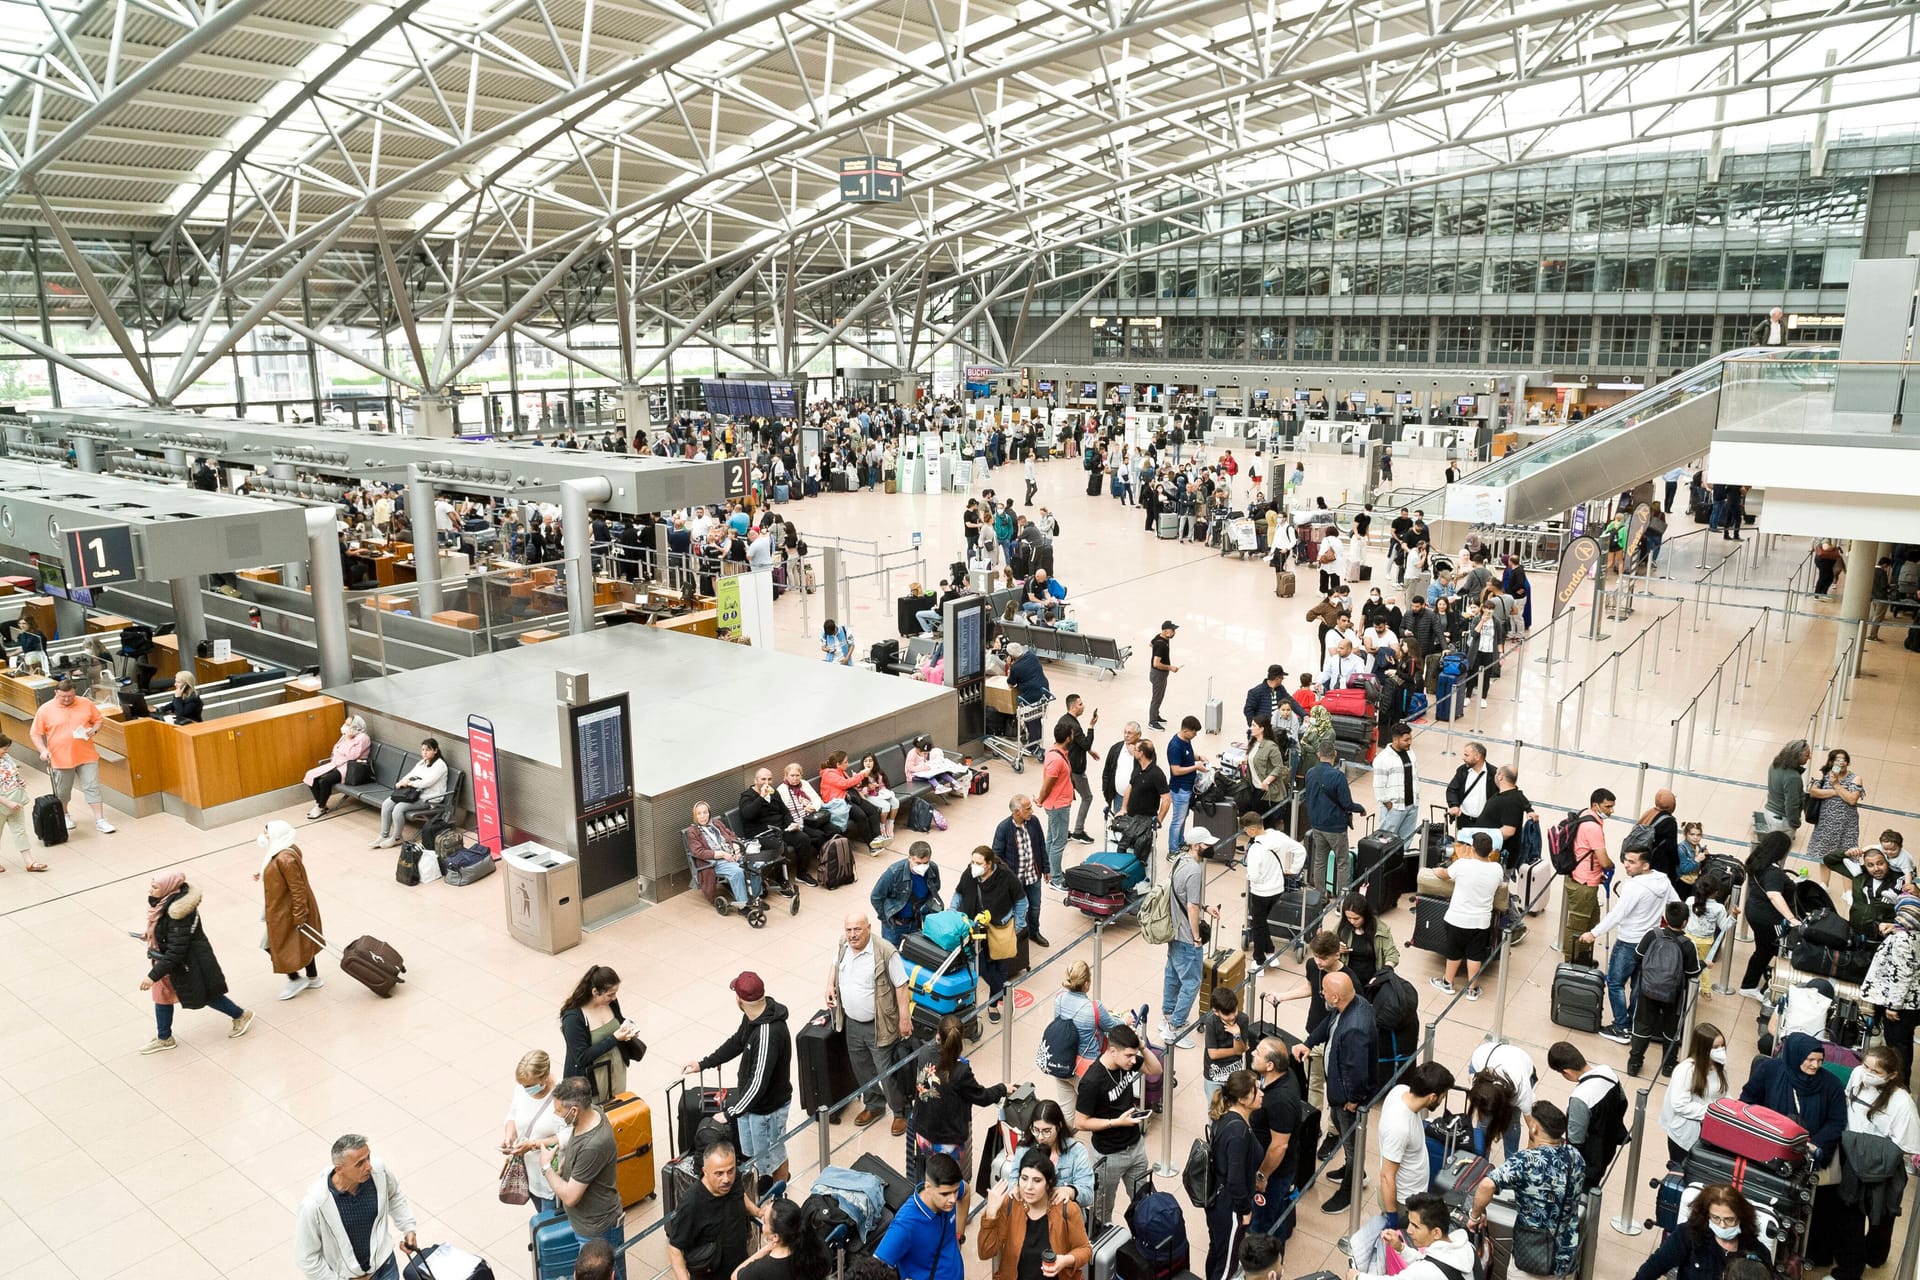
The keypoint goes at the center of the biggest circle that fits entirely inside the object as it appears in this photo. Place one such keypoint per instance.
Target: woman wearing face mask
(1883, 1134)
(987, 886)
(181, 967)
(1698, 1079)
(1795, 1085)
(1892, 984)
(291, 915)
(530, 1122)
(1836, 826)
(1378, 609)
(1720, 1228)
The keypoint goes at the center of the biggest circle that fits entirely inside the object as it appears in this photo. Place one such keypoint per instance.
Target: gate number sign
(101, 556)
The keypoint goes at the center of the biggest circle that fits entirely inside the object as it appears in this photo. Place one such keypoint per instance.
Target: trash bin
(543, 897)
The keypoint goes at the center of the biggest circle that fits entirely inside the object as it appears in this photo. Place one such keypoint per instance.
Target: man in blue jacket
(1352, 1044)
(923, 1243)
(1020, 843)
(907, 893)
(1330, 812)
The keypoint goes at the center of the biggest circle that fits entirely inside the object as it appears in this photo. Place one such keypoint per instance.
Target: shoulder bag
(1535, 1249)
(513, 1182)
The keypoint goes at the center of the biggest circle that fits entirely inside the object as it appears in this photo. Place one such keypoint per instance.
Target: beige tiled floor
(189, 1164)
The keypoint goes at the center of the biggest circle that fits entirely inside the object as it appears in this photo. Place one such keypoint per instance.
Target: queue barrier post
(1625, 1223)
(1497, 1034)
(1166, 1167)
(823, 1132)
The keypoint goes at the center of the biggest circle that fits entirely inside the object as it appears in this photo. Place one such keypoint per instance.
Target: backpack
(920, 816)
(1560, 841)
(1159, 1229)
(836, 863)
(1156, 913)
(1197, 1175)
(407, 868)
(1059, 1051)
(1606, 1130)
(1639, 839)
(1663, 971)
(1396, 1004)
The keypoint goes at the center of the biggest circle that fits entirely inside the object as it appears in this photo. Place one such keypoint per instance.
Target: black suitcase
(1579, 997)
(926, 1022)
(918, 948)
(1357, 729)
(677, 1178)
(1094, 878)
(696, 1103)
(1429, 923)
(1789, 1195)
(893, 1184)
(1375, 850)
(1283, 922)
(1438, 850)
(885, 656)
(822, 1064)
(50, 820)
(906, 610)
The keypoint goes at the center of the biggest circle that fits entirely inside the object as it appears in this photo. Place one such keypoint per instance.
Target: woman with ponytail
(944, 1095)
(1236, 1170)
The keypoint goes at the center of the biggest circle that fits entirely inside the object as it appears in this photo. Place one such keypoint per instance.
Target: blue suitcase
(780, 493)
(1131, 870)
(947, 993)
(1666, 1206)
(1450, 699)
(554, 1246)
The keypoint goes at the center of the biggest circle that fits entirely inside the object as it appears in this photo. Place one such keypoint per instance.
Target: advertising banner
(1577, 564)
(486, 783)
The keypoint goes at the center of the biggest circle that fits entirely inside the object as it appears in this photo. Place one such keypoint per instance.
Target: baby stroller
(772, 869)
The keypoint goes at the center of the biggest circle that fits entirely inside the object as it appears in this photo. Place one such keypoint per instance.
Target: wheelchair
(775, 877)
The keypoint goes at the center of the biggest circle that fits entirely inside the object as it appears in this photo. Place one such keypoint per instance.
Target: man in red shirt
(1056, 801)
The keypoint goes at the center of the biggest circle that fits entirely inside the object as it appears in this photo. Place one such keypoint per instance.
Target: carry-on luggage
(1755, 1133)
(1223, 968)
(1579, 997)
(50, 820)
(1531, 885)
(1379, 849)
(893, 1183)
(941, 992)
(632, 1122)
(1096, 869)
(1106, 1250)
(918, 948)
(1460, 1177)
(1169, 525)
(445, 1262)
(1428, 922)
(1284, 584)
(825, 1069)
(1346, 702)
(696, 1102)
(1098, 906)
(1666, 1198)
(555, 1247)
(677, 1178)
(1284, 921)
(1214, 714)
(372, 963)
(1761, 1182)
(926, 1023)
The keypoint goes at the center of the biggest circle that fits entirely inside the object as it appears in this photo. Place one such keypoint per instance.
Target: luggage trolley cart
(1028, 720)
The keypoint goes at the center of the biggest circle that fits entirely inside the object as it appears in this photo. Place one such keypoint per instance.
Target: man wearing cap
(758, 1104)
(1161, 665)
(867, 991)
(1270, 695)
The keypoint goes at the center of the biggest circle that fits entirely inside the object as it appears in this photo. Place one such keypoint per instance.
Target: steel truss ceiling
(454, 170)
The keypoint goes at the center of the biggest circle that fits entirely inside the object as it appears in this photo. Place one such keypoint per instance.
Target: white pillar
(426, 540)
(329, 598)
(433, 416)
(576, 540)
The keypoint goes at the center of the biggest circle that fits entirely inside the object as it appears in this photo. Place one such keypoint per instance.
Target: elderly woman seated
(716, 856)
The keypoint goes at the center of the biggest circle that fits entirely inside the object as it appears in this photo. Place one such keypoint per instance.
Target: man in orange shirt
(1056, 800)
(1582, 887)
(63, 732)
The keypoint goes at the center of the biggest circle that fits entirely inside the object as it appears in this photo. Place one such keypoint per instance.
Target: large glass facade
(1620, 262)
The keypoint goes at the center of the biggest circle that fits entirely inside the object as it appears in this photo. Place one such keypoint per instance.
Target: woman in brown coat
(1010, 1235)
(290, 912)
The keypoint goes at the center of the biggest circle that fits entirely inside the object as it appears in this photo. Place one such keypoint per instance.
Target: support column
(189, 615)
(294, 573)
(175, 455)
(86, 453)
(903, 389)
(426, 540)
(833, 580)
(576, 544)
(329, 599)
(633, 403)
(1854, 595)
(433, 416)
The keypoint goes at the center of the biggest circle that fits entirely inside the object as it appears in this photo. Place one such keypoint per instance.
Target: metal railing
(1836, 694)
(1742, 653)
(1610, 663)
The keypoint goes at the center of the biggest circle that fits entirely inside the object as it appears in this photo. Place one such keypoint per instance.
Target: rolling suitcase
(926, 1022)
(1097, 906)
(367, 960)
(1097, 879)
(1284, 922)
(1378, 851)
(1762, 1183)
(1666, 1200)
(823, 1065)
(1284, 584)
(893, 1183)
(696, 1103)
(1222, 968)
(677, 1177)
(918, 948)
(1168, 526)
(555, 1247)
(1460, 1177)
(1106, 1251)
(1579, 997)
(1213, 715)
(50, 820)
(1754, 1133)
(1531, 885)
(632, 1122)
(1429, 924)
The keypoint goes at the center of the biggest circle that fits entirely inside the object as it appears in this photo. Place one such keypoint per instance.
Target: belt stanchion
(1591, 1214)
(1560, 932)
(1356, 1172)
(1713, 714)
(1580, 713)
(1426, 1041)
(1497, 1034)
(1553, 760)
(1006, 1036)
(1625, 1223)
(1099, 931)
(1739, 661)
(1725, 986)
(1640, 787)
(822, 1128)
(1166, 1168)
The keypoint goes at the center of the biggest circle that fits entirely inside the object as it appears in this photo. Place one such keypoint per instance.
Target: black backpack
(1663, 970)
(1606, 1130)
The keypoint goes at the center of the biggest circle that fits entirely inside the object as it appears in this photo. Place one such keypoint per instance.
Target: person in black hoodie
(943, 1097)
(181, 967)
(758, 1104)
(1236, 1165)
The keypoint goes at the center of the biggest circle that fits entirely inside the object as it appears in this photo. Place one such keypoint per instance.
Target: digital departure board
(603, 768)
(969, 640)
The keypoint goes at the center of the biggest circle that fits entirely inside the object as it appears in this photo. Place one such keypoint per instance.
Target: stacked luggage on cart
(1104, 883)
(941, 979)
(1356, 721)
(1763, 1155)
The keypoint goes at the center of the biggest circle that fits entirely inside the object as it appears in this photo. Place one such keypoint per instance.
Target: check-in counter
(254, 754)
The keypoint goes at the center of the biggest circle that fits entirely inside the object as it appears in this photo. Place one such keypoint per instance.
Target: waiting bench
(390, 764)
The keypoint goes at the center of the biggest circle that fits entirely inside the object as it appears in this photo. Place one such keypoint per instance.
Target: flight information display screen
(603, 771)
(969, 658)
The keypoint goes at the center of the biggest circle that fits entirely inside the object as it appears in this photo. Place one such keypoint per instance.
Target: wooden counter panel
(146, 749)
(258, 751)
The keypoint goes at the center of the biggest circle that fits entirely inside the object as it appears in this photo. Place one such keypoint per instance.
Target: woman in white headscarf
(292, 916)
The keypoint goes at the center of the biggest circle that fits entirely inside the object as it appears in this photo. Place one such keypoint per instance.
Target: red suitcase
(1755, 1133)
(1101, 906)
(1346, 702)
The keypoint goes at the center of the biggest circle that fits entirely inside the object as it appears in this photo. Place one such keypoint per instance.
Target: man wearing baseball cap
(1157, 673)
(757, 1105)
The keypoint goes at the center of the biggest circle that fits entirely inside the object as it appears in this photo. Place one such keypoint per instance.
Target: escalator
(1617, 448)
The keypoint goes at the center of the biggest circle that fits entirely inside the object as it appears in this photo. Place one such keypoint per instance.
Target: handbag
(1534, 1250)
(407, 795)
(358, 773)
(838, 812)
(513, 1182)
(1810, 806)
(1003, 941)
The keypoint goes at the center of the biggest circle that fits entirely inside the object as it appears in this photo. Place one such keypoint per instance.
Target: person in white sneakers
(291, 916)
(1396, 784)
(62, 733)
(1468, 922)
